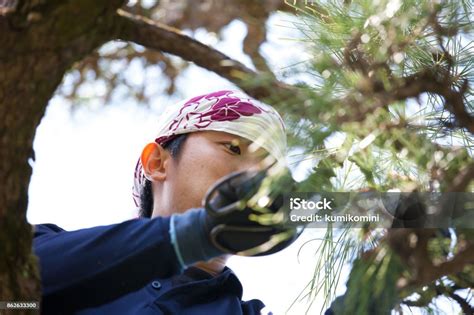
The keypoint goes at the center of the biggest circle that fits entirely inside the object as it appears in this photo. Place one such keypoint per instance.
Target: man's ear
(154, 160)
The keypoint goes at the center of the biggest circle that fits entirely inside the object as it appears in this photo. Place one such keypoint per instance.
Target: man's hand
(238, 223)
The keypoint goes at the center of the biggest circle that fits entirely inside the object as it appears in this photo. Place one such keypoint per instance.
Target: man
(172, 259)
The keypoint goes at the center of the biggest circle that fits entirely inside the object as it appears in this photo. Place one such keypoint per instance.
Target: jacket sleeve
(92, 266)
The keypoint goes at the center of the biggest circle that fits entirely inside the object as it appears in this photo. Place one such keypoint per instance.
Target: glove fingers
(238, 239)
(232, 188)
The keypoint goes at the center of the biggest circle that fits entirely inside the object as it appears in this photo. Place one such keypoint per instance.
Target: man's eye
(233, 148)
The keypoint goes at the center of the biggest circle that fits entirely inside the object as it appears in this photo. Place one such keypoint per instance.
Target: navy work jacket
(128, 268)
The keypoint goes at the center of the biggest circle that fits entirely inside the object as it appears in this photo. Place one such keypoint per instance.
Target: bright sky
(83, 172)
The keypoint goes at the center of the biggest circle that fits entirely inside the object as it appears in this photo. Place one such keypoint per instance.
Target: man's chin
(213, 266)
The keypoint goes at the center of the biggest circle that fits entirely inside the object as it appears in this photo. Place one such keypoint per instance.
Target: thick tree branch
(157, 36)
(426, 296)
(463, 258)
(466, 308)
(416, 256)
(427, 81)
(463, 179)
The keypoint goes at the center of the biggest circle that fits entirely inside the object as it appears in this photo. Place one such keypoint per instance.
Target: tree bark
(39, 42)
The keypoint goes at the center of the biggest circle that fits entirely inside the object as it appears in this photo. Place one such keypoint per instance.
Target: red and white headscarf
(228, 111)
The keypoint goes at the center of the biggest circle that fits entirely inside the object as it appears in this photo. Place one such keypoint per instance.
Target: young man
(165, 262)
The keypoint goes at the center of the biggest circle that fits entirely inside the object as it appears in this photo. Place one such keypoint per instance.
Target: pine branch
(429, 81)
(426, 296)
(466, 308)
(463, 179)
(166, 39)
(456, 264)
(414, 85)
(412, 246)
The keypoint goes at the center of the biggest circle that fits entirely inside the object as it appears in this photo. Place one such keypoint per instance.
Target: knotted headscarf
(228, 111)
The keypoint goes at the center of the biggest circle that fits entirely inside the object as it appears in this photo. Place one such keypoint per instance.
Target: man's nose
(250, 166)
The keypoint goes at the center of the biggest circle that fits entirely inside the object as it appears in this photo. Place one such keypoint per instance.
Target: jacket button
(156, 285)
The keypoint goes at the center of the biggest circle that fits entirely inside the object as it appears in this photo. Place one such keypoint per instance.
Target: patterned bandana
(228, 111)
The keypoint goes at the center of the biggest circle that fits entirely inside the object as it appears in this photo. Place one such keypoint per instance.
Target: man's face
(205, 157)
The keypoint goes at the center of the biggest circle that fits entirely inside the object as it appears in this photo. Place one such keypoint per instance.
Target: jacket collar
(227, 279)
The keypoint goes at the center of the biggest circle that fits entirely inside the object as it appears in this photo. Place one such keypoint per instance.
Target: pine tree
(393, 79)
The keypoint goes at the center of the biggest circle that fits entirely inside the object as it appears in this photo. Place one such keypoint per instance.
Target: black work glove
(237, 225)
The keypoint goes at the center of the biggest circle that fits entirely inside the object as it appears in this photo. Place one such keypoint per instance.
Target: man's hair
(174, 147)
